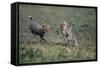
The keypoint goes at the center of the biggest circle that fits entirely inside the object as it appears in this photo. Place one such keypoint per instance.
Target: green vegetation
(32, 51)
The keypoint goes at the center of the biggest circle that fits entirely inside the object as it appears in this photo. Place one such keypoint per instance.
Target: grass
(36, 53)
(32, 51)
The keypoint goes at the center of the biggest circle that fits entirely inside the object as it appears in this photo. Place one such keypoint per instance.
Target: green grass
(36, 53)
(32, 51)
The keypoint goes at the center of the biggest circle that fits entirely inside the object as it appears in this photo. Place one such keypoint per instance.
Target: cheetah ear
(43, 26)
